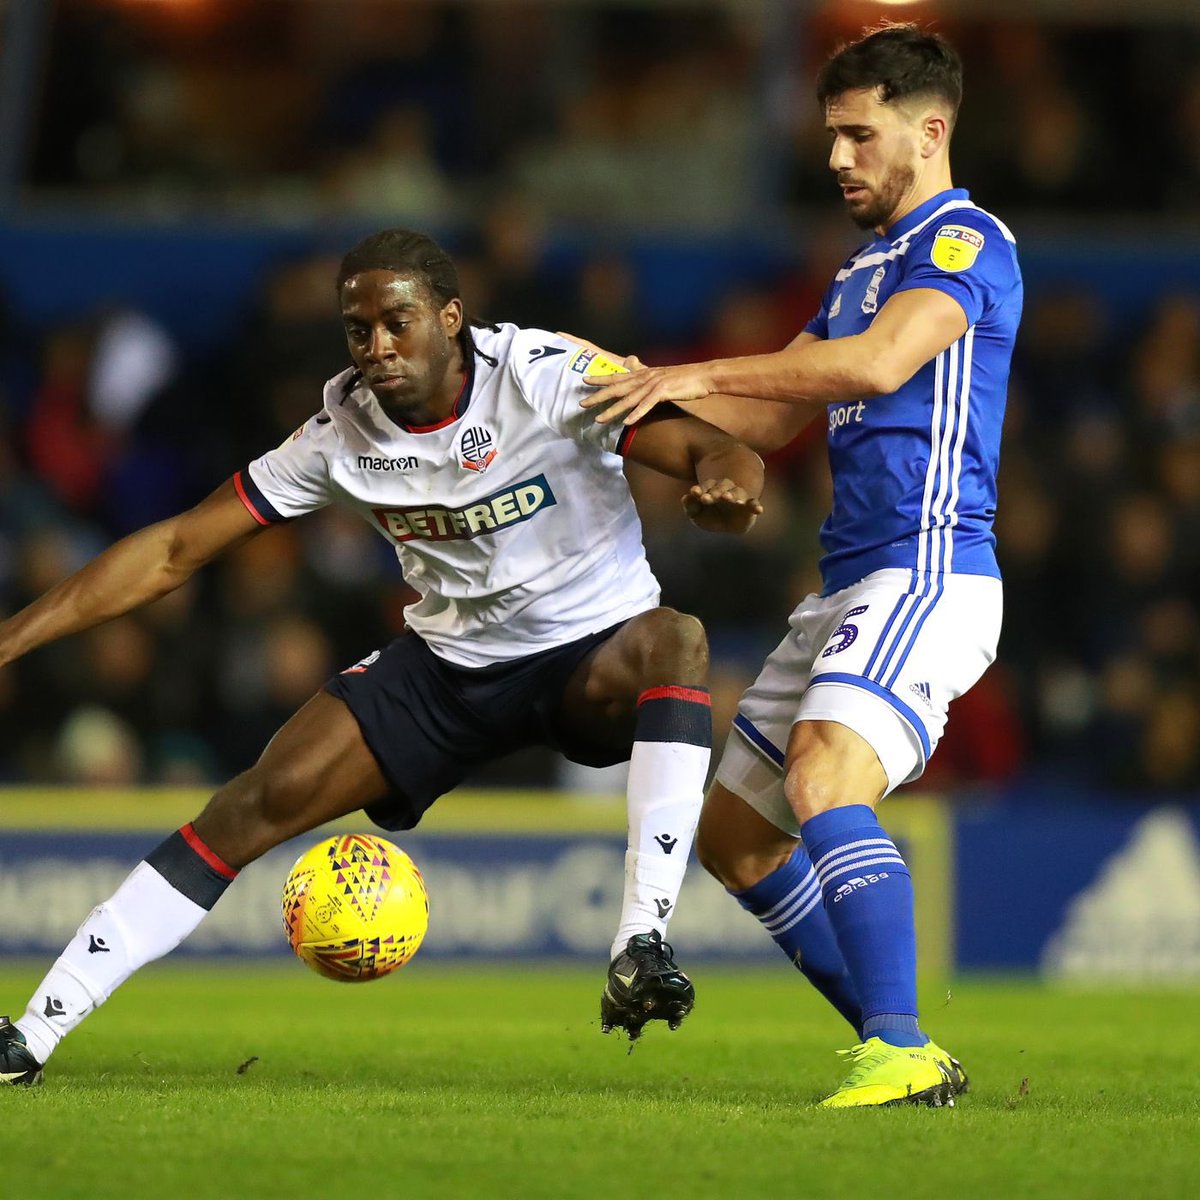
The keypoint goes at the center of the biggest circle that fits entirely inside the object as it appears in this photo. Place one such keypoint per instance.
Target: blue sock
(789, 905)
(869, 899)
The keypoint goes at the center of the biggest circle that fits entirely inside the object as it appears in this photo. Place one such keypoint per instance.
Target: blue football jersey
(914, 472)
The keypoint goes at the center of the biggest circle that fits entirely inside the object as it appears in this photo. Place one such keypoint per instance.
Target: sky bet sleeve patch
(592, 365)
(956, 247)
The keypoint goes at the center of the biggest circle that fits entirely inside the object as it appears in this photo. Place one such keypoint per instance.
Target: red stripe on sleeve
(694, 695)
(240, 488)
(626, 438)
(218, 864)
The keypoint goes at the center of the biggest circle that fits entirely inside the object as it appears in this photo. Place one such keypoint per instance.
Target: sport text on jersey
(488, 515)
(845, 414)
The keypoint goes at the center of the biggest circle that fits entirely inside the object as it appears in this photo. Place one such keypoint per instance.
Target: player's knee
(672, 647)
(736, 871)
(812, 782)
(734, 866)
(709, 853)
(720, 862)
(829, 766)
(808, 794)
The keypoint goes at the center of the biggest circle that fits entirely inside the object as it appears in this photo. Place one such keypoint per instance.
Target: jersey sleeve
(967, 255)
(293, 478)
(819, 323)
(550, 372)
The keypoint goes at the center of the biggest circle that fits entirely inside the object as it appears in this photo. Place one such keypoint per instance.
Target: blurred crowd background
(649, 176)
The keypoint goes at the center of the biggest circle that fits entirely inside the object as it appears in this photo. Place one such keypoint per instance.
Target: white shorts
(884, 657)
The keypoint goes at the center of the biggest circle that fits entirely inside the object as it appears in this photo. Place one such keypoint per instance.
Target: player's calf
(655, 667)
(162, 900)
(317, 767)
(672, 744)
(769, 874)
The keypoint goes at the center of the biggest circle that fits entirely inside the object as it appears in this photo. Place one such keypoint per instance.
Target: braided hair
(406, 252)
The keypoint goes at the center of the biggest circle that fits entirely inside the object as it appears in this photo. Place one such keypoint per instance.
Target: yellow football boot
(959, 1083)
(884, 1074)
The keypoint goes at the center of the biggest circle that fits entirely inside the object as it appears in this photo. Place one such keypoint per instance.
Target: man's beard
(885, 202)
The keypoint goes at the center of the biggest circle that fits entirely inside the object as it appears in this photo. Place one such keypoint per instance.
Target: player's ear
(935, 133)
(452, 317)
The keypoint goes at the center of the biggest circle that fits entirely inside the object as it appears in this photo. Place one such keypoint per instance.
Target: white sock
(666, 790)
(145, 918)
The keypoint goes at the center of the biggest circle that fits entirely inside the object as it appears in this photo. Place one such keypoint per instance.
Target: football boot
(17, 1064)
(644, 984)
(883, 1074)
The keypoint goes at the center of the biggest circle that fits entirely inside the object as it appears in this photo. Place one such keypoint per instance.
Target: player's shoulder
(984, 220)
(340, 391)
(965, 213)
(538, 356)
(961, 235)
(494, 341)
(342, 399)
(533, 350)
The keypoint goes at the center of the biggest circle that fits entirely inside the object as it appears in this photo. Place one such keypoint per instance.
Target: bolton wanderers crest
(476, 448)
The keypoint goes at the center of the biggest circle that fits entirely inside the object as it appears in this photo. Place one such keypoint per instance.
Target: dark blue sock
(789, 905)
(869, 899)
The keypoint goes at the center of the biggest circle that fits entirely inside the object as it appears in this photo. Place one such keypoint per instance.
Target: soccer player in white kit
(538, 622)
(908, 360)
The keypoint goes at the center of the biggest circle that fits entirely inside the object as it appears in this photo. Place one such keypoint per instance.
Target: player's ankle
(897, 1029)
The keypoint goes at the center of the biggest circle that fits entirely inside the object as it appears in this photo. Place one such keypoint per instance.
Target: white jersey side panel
(512, 518)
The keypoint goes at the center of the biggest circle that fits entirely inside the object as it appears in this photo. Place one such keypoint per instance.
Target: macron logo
(368, 462)
(495, 512)
(545, 352)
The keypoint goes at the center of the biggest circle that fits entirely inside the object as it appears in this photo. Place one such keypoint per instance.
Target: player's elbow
(181, 554)
(884, 372)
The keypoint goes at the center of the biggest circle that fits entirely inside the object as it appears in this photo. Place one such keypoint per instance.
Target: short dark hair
(407, 252)
(901, 60)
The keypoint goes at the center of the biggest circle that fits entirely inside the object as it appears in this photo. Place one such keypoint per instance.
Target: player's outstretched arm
(912, 328)
(728, 476)
(763, 425)
(132, 572)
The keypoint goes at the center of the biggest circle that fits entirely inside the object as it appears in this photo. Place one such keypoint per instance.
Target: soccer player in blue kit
(908, 357)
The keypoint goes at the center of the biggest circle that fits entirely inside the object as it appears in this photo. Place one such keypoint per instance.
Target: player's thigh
(317, 767)
(427, 723)
(735, 843)
(912, 653)
(824, 725)
(656, 648)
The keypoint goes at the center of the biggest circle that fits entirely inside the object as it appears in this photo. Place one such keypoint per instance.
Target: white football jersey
(511, 517)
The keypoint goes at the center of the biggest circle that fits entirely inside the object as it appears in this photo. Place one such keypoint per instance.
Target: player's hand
(720, 506)
(632, 397)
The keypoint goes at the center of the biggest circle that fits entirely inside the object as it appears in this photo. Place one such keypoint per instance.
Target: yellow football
(355, 908)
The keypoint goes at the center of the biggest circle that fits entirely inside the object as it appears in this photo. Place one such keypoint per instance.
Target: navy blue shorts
(430, 723)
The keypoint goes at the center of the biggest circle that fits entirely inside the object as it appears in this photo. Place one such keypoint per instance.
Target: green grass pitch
(230, 1082)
